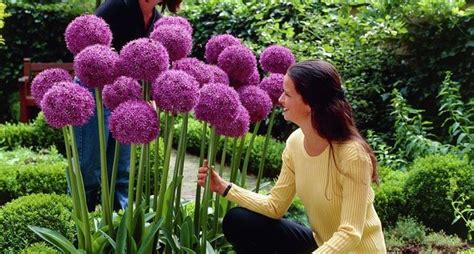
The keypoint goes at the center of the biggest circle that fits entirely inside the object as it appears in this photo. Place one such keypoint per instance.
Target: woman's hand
(217, 184)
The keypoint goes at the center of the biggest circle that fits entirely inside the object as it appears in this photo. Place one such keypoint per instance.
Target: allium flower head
(174, 20)
(273, 85)
(143, 59)
(176, 91)
(276, 59)
(122, 90)
(45, 80)
(256, 101)
(195, 68)
(217, 104)
(96, 65)
(238, 62)
(87, 30)
(134, 122)
(219, 75)
(238, 127)
(67, 103)
(252, 80)
(217, 44)
(176, 40)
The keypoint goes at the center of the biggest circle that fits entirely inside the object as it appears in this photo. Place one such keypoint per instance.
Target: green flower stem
(107, 211)
(247, 155)
(113, 179)
(147, 177)
(146, 163)
(265, 146)
(197, 202)
(131, 181)
(207, 192)
(157, 167)
(232, 167)
(181, 155)
(235, 169)
(71, 177)
(217, 201)
(81, 193)
(141, 173)
(166, 166)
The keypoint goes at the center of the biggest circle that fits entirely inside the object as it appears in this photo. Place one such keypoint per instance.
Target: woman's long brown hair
(171, 5)
(320, 85)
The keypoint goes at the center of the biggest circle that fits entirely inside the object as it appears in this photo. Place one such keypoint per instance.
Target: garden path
(191, 165)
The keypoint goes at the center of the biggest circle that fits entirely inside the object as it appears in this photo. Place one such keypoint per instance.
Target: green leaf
(111, 241)
(55, 239)
(148, 239)
(209, 249)
(122, 234)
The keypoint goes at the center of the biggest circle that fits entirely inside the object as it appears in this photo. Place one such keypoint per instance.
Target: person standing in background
(128, 20)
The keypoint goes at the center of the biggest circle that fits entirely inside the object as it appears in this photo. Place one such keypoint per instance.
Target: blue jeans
(87, 137)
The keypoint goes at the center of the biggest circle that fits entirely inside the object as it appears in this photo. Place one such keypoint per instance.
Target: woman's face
(294, 109)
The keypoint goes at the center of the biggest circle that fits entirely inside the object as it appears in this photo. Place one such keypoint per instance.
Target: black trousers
(251, 232)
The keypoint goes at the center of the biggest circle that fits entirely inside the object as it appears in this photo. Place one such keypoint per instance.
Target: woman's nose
(280, 99)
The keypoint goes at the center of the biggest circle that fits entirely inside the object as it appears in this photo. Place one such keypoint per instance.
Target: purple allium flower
(134, 122)
(177, 41)
(238, 62)
(276, 59)
(256, 101)
(219, 75)
(176, 91)
(174, 20)
(195, 68)
(238, 127)
(253, 80)
(217, 104)
(217, 44)
(273, 85)
(122, 90)
(143, 59)
(67, 103)
(96, 65)
(45, 80)
(87, 30)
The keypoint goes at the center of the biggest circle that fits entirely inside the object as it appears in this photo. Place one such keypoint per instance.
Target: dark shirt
(125, 19)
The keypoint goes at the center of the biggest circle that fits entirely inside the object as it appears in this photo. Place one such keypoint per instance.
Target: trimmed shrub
(37, 135)
(44, 210)
(427, 190)
(390, 202)
(39, 248)
(24, 172)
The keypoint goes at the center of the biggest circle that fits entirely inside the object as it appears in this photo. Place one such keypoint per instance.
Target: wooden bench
(30, 69)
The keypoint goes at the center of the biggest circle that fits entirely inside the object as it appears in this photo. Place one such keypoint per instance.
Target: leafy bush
(439, 242)
(24, 172)
(2, 16)
(37, 44)
(297, 213)
(427, 189)
(390, 202)
(43, 210)
(37, 135)
(410, 236)
(39, 248)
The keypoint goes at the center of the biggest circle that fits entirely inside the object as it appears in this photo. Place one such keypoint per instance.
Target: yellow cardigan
(338, 200)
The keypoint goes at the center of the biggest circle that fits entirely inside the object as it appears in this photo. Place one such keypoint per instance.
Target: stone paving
(191, 165)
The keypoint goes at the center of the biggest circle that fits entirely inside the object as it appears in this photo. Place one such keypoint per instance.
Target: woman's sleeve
(355, 179)
(281, 195)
